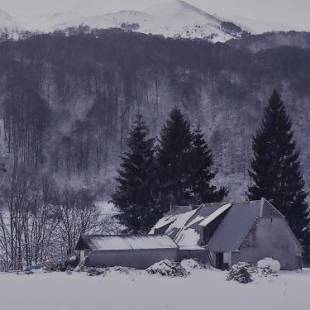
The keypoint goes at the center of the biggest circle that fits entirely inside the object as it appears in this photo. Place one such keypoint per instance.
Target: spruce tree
(201, 172)
(174, 161)
(135, 194)
(275, 169)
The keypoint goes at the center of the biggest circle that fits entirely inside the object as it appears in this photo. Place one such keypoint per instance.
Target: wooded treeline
(154, 178)
(86, 88)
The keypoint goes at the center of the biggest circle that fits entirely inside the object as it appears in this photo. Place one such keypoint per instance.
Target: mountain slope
(94, 84)
(170, 18)
(185, 20)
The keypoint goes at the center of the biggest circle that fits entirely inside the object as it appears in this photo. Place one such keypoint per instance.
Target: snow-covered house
(227, 233)
(137, 252)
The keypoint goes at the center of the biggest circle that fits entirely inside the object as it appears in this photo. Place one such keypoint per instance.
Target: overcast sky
(292, 12)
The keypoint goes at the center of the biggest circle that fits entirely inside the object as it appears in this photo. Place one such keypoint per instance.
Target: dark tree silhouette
(135, 195)
(275, 169)
(174, 161)
(202, 174)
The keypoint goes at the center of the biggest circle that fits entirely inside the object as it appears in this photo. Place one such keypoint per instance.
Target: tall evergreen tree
(201, 172)
(136, 186)
(174, 161)
(275, 169)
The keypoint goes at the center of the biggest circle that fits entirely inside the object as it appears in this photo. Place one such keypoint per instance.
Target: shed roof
(110, 243)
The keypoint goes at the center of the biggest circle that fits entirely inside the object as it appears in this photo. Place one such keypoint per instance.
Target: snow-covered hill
(171, 18)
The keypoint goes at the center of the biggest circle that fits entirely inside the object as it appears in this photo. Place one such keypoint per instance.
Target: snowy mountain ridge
(170, 18)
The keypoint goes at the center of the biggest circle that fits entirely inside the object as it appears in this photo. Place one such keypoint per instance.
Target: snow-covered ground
(206, 289)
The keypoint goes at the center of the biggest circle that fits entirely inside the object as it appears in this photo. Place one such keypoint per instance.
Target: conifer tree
(275, 169)
(201, 172)
(174, 161)
(136, 187)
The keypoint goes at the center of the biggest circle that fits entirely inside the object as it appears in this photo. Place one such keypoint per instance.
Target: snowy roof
(235, 226)
(215, 214)
(183, 227)
(182, 219)
(186, 228)
(163, 222)
(188, 239)
(109, 243)
(175, 219)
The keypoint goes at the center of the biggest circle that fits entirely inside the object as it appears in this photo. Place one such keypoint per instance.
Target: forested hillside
(68, 100)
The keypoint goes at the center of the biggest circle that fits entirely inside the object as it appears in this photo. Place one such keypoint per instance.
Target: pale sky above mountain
(289, 12)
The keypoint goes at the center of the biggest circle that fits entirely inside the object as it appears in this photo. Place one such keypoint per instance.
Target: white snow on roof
(163, 222)
(188, 239)
(130, 242)
(196, 220)
(181, 220)
(214, 215)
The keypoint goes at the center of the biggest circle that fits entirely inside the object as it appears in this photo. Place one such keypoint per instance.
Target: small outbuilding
(138, 252)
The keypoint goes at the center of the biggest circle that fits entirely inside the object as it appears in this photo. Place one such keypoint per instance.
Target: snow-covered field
(205, 289)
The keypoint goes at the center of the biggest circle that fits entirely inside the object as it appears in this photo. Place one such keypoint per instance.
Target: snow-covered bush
(120, 269)
(241, 273)
(270, 263)
(265, 271)
(95, 271)
(192, 264)
(168, 268)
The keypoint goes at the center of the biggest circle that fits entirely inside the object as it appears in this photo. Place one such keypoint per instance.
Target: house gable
(235, 227)
(270, 237)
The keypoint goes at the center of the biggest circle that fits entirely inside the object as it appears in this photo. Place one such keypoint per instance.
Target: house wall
(200, 255)
(139, 259)
(227, 259)
(271, 237)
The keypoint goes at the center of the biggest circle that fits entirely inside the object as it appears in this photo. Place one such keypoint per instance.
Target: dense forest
(69, 98)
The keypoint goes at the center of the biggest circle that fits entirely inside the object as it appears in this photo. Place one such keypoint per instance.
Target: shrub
(92, 272)
(168, 268)
(241, 273)
(120, 269)
(192, 264)
(270, 263)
